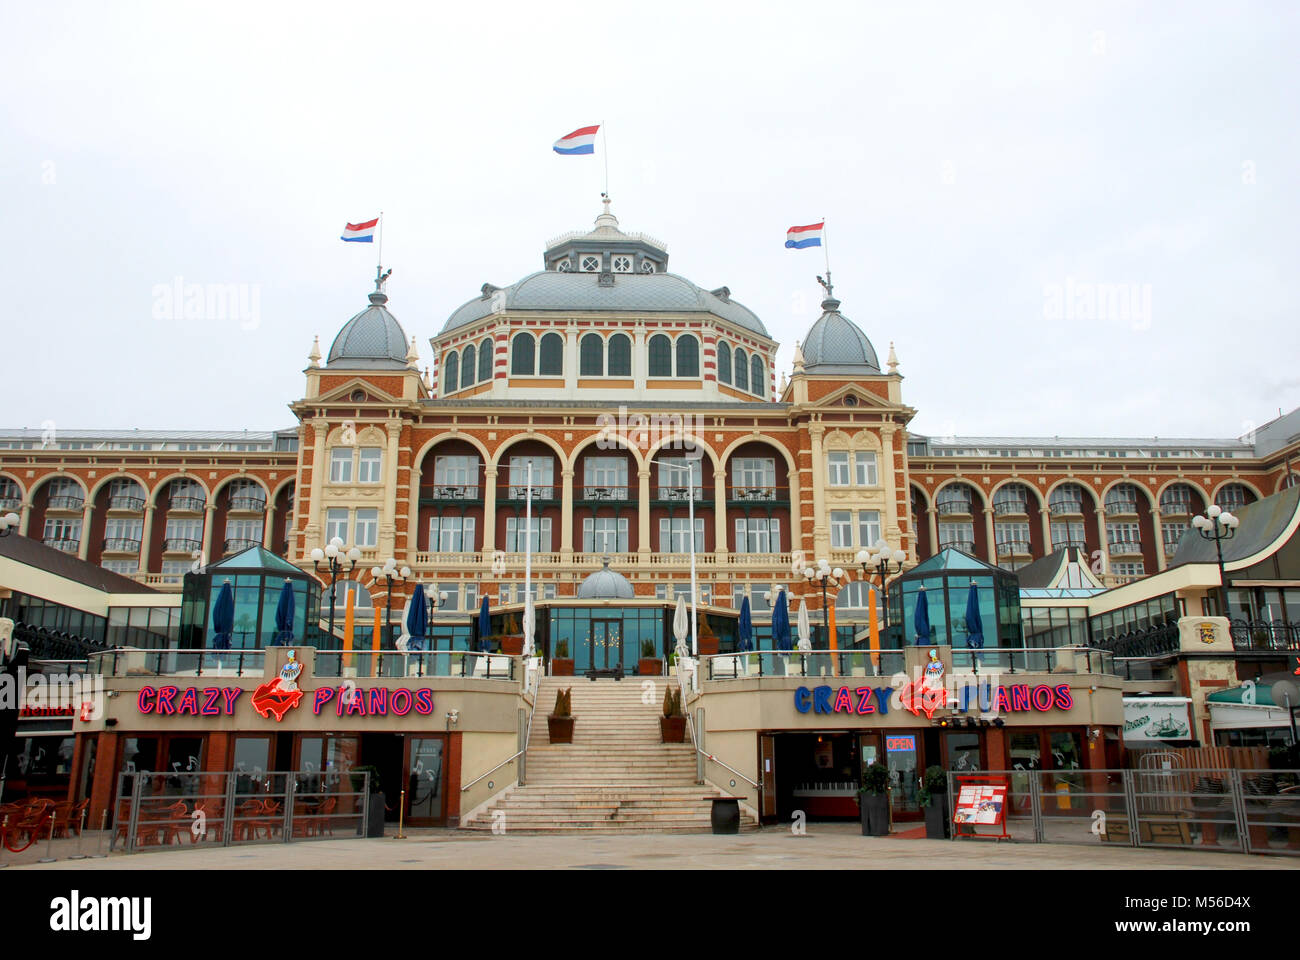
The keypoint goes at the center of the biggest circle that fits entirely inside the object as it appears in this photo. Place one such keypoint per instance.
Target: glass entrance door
(424, 793)
(902, 755)
(606, 644)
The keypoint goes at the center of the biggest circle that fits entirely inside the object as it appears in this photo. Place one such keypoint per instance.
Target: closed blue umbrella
(484, 626)
(284, 613)
(974, 622)
(417, 617)
(922, 617)
(781, 623)
(223, 617)
(745, 628)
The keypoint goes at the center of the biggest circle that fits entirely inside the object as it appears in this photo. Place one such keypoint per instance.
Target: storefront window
(325, 761)
(963, 752)
(1026, 758)
(43, 759)
(251, 762)
(1067, 756)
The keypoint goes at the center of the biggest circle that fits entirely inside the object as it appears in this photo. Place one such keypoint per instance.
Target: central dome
(605, 584)
(373, 337)
(836, 345)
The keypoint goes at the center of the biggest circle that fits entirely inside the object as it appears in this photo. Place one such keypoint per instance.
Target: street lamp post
(824, 575)
(885, 562)
(1218, 525)
(690, 532)
(333, 556)
(390, 575)
(437, 599)
(8, 524)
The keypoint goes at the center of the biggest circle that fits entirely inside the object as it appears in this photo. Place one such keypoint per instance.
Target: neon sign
(918, 699)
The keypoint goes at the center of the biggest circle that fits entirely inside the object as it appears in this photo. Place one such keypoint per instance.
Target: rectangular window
(173, 571)
(123, 529)
(868, 528)
(57, 529)
(336, 525)
(837, 469)
(756, 477)
(543, 477)
(605, 478)
(456, 477)
(367, 528)
(1124, 538)
(671, 591)
(184, 530)
(451, 534)
(673, 535)
(673, 474)
(540, 534)
(758, 535)
(841, 527)
(125, 567)
(604, 535)
(370, 462)
(864, 465)
(341, 465)
(248, 531)
(1012, 537)
(957, 536)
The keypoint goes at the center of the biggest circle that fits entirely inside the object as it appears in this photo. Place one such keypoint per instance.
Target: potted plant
(561, 665)
(649, 665)
(934, 798)
(873, 798)
(672, 725)
(560, 722)
(511, 637)
(375, 811)
(707, 639)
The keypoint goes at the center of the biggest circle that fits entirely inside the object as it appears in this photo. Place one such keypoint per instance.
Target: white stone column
(989, 533)
(145, 536)
(1157, 531)
(489, 542)
(934, 532)
(1045, 517)
(87, 514)
(209, 521)
(640, 363)
(644, 543)
(570, 357)
(24, 518)
(566, 514)
(720, 541)
(821, 541)
(315, 517)
(887, 479)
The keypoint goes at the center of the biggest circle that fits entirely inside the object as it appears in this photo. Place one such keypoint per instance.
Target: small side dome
(836, 345)
(605, 584)
(373, 337)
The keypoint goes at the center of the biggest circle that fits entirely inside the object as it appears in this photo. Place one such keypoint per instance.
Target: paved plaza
(825, 846)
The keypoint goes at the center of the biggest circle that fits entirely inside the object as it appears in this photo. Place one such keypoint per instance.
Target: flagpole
(826, 249)
(528, 544)
(381, 243)
(604, 143)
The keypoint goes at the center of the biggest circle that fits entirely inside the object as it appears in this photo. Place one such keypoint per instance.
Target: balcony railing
(456, 492)
(1013, 548)
(240, 543)
(423, 663)
(1121, 506)
(681, 494)
(125, 661)
(1159, 641)
(248, 504)
(1012, 508)
(1065, 508)
(1125, 548)
(124, 501)
(965, 546)
(751, 494)
(1171, 548)
(513, 492)
(887, 663)
(598, 493)
(121, 545)
(181, 545)
(66, 503)
(10, 503)
(1069, 543)
(64, 544)
(187, 504)
(950, 507)
(1175, 508)
(1250, 635)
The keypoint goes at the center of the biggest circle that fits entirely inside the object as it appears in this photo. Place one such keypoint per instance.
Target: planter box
(673, 729)
(650, 667)
(875, 814)
(513, 646)
(561, 668)
(708, 645)
(375, 815)
(936, 817)
(560, 729)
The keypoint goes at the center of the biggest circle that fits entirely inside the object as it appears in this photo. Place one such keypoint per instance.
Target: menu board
(980, 803)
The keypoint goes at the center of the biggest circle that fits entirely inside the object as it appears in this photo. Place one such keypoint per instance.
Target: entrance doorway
(606, 644)
(385, 752)
(903, 755)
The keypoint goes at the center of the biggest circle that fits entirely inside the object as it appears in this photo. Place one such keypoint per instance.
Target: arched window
(757, 378)
(661, 356)
(724, 363)
(522, 363)
(467, 366)
(591, 356)
(742, 369)
(552, 356)
(485, 361)
(620, 355)
(688, 356)
(451, 373)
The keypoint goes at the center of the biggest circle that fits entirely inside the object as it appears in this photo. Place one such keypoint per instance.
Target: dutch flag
(582, 140)
(360, 232)
(809, 236)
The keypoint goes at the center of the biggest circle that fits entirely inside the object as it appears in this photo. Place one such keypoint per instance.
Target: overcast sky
(1072, 219)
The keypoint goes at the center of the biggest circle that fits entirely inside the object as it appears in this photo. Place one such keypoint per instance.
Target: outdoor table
(725, 815)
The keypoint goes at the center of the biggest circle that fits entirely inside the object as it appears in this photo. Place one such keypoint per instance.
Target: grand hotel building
(592, 370)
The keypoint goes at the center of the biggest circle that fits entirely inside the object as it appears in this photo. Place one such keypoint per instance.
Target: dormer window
(647, 266)
(590, 264)
(622, 264)
(565, 266)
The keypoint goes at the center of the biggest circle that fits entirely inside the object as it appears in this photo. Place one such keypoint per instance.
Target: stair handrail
(690, 722)
(537, 686)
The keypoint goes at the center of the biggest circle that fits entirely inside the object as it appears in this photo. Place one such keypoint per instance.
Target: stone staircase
(616, 776)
